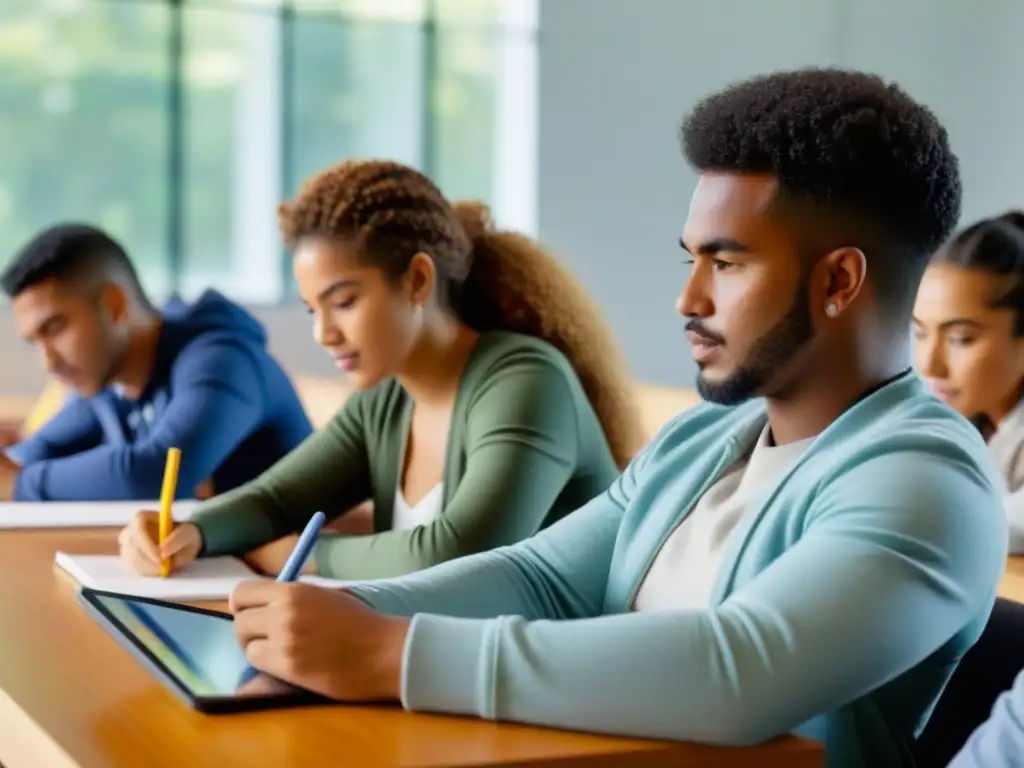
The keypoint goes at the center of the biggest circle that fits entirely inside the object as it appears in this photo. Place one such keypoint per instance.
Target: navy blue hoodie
(215, 393)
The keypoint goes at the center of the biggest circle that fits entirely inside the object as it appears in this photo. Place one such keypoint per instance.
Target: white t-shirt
(425, 512)
(685, 569)
(405, 516)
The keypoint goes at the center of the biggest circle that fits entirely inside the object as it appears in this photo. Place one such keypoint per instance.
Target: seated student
(969, 330)
(198, 378)
(491, 398)
(999, 741)
(815, 561)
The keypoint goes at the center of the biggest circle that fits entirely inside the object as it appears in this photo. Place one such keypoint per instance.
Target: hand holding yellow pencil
(167, 502)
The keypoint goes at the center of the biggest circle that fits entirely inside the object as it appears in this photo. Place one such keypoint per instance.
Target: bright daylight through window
(178, 125)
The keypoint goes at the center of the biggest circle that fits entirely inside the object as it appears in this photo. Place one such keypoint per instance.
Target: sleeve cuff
(448, 665)
(16, 453)
(233, 523)
(230, 532)
(215, 536)
(28, 482)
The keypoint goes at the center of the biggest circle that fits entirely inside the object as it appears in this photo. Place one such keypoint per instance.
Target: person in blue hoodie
(197, 377)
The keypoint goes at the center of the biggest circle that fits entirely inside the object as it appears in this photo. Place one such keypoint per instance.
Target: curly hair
(871, 166)
(995, 246)
(493, 280)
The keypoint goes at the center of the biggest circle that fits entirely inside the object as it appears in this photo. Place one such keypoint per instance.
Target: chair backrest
(986, 670)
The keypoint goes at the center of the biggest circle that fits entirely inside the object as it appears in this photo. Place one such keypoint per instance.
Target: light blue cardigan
(844, 601)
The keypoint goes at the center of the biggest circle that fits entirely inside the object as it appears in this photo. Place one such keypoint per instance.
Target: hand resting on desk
(323, 640)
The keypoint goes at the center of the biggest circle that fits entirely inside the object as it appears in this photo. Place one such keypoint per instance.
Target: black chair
(986, 670)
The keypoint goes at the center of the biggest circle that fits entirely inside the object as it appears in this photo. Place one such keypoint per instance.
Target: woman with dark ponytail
(491, 400)
(969, 332)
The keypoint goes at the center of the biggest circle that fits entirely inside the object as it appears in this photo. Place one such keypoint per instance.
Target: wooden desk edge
(25, 742)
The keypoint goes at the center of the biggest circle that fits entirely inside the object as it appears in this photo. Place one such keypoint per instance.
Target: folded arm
(74, 428)
(216, 404)
(915, 533)
(521, 444)
(328, 472)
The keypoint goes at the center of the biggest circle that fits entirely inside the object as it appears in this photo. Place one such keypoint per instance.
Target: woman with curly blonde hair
(491, 400)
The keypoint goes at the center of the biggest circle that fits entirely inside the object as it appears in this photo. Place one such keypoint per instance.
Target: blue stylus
(293, 567)
(303, 548)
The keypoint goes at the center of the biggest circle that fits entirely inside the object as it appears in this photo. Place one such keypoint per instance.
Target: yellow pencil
(167, 501)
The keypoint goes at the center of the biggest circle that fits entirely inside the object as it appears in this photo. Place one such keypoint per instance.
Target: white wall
(616, 79)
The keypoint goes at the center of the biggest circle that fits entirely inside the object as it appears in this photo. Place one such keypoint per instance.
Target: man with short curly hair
(811, 551)
(851, 182)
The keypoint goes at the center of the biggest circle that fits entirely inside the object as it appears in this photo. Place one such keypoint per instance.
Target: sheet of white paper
(81, 514)
(212, 578)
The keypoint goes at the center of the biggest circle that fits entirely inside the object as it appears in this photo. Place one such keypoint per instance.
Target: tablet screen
(199, 649)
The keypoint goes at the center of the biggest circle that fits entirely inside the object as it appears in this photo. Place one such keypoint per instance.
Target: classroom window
(178, 125)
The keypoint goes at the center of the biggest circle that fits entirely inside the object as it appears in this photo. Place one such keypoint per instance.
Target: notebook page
(212, 578)
(81, 514)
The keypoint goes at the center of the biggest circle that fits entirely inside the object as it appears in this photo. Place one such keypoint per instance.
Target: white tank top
(425, 512)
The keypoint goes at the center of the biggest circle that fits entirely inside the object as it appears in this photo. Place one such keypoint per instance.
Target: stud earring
(831, 309)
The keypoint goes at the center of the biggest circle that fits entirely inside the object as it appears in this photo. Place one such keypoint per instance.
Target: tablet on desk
(192, 651)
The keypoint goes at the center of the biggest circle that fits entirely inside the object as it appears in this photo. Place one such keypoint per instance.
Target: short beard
(770, 353)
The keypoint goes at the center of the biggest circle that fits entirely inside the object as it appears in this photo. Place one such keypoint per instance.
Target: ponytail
(996, 246)
(515, 286)
(1014, 218)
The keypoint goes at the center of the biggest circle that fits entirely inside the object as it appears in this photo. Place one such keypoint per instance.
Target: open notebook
(81, 514)
(213, 578)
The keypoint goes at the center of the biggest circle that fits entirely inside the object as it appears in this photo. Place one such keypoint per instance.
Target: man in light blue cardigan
(810, 551)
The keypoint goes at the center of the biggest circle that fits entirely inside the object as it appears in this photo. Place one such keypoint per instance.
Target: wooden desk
(70, 696)
(1012, 584)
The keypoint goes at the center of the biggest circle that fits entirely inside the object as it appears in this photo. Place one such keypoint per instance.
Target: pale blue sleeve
(920, 534)
(999, 741)
(560, 573)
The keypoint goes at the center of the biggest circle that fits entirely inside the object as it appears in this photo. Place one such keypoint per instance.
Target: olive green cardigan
(524, 449)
